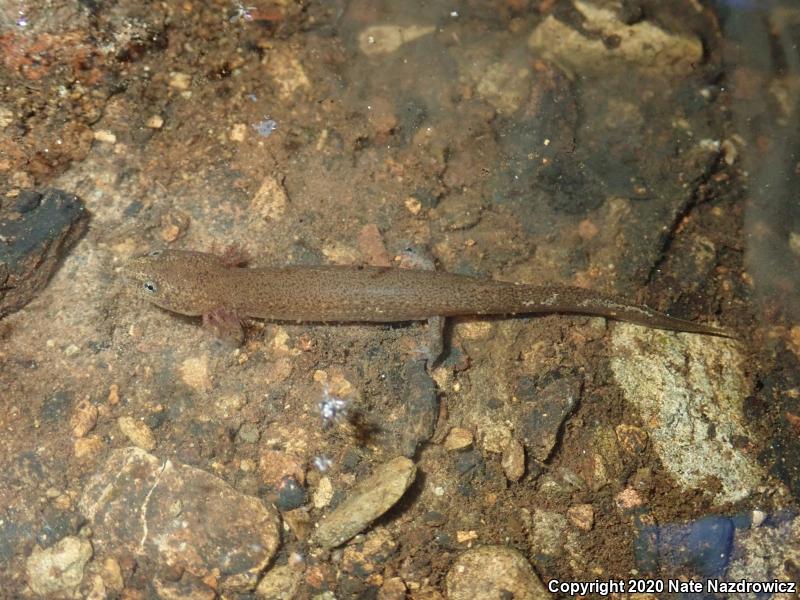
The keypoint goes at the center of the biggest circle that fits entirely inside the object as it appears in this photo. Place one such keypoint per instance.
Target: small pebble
(194, 373)
(173, 225)
(279, 583)
(85, 447)
(179, 81)
(324, 493)
(265, 127)
(463, 537)
(59, 568)
(84, 418)
(632, 439)
(137, 432)
(155, 122)
(513, 461)
(113, 394)
(759, 516)
(105, 136)
(628, 498)
(393, 588)
(112, 575)
(291, 494)
(271, 200)
(458, 439)
(582, 516)
(413, 205)
(238, 132)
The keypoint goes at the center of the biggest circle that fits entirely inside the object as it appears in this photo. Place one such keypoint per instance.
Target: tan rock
(513, 461)
(137, 432)
(493, 573)
(194, 373)
(279, 583)
(384, 39)
(458, 439)
(366, 501)
(84, 418)
(112, 575)
(181, 517)
(59, 568)
(582, 516)
(86, 447)
(271, 200)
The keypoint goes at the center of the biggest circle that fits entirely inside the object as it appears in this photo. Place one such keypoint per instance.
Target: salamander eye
(154, 253)
(150, 287)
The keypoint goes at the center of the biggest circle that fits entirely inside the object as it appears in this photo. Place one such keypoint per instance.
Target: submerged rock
(37, 232)
(689, 390)
(618, 45)
(367, 501)
(59, 568)
(180, 516)
(493, 573)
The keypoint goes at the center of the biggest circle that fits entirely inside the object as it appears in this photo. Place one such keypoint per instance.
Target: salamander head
(177, 280)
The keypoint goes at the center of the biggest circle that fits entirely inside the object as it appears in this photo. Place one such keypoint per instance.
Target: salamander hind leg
(411, 258)
(435, 341)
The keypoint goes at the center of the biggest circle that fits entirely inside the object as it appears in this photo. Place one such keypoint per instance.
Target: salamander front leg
(233, 255)
(225, 324)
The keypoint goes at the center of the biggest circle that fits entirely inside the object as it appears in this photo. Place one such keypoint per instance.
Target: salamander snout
(146, 281)
(177, 280)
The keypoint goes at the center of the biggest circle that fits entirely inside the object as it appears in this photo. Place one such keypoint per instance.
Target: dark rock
(350, 460)
(27, 201)
(15, 536)
(133, 209)
(34, 237)
(434, 518)
(57, 525)
(468, 461)
(419, 407)
(704, 545)
(546, 403)
(645, 545)
(413, 113)
(290, 494)
(56, 407)
(447, 541)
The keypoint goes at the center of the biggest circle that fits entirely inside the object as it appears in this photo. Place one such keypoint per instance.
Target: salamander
(202, 284)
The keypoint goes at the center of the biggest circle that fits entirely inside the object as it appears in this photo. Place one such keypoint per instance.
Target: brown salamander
(201, 284)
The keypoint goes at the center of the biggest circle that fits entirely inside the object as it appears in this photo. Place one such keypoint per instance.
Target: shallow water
(644, 148)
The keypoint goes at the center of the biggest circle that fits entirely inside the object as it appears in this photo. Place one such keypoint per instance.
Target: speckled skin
(196, 283)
